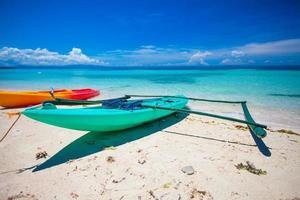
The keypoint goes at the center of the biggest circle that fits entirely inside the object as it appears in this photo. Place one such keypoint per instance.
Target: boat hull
(10, 99)
(104, 120)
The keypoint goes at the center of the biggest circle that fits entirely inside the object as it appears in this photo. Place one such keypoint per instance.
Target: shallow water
(272, 91)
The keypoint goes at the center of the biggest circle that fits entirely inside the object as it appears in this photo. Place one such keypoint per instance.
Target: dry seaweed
(152, 195)
(118, 181)
(240, 127)
(42, 154)
(141, 161)
(200, 194)
(21, 195)
(250, 168)
(74, 195)
(110, 159)
(290, 132)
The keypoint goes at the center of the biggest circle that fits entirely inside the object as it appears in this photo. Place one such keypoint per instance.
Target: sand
(146, 162)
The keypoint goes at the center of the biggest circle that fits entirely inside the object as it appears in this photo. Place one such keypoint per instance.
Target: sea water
(268, 89)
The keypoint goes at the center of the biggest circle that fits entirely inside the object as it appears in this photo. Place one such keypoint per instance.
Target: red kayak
(83, 94)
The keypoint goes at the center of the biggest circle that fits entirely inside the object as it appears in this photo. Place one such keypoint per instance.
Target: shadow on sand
(94, 142)
(259, 143)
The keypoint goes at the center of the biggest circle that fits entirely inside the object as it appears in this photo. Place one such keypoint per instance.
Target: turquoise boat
(111, 115)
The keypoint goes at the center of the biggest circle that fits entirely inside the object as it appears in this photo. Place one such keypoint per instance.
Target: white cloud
(198, 57)
(153, 55)
(45, 57)
(148, 46)
(254, 52)
(281, 47)
(226, 61)
(230, 61)
(148, 55)
(237, 54)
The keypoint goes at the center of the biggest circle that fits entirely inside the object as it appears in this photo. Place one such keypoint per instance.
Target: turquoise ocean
(269, 89)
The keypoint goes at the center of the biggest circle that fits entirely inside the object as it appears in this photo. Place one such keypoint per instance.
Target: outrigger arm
(256, 128)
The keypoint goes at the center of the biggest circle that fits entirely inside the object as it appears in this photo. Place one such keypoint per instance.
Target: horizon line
(157, 67)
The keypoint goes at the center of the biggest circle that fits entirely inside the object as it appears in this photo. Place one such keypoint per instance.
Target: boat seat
(132, 105)
(112, 103)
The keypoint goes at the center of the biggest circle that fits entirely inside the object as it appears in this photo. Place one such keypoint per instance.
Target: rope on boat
(9, 115)
(189, 98)
(207, 114)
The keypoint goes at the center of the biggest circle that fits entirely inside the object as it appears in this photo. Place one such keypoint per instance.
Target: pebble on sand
(189, 170)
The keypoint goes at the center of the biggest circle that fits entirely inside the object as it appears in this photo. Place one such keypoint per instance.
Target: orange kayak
(16, 99)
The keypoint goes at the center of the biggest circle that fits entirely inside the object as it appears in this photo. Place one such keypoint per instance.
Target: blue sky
(143, 33)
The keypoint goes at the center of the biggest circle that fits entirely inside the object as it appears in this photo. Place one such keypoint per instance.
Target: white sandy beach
(234, 64)
(146, 162)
